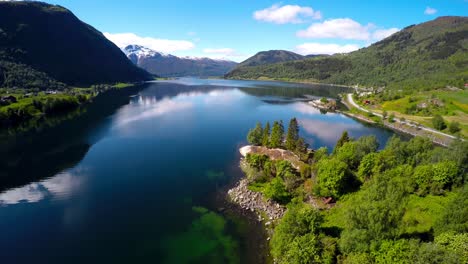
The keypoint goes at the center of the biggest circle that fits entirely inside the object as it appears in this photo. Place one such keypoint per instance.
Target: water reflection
(58, 188)
(151, 109)
(327, 132)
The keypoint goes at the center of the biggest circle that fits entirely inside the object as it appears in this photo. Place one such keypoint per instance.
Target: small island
(356, 203)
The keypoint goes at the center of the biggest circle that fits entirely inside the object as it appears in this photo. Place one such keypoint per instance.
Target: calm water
(136, 177)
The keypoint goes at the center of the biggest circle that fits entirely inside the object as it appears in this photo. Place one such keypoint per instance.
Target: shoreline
(260, 212)
(291, 81)
(399, 126)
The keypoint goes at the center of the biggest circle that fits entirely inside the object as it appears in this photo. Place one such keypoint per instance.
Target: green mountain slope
(429, 55)
(271, 56)
(42, 46)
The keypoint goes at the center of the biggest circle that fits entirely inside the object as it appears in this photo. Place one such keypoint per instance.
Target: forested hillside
(46, 46)
(425, 56)
(271, 56)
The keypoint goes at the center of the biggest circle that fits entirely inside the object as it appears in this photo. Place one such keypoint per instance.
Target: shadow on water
(49, 148)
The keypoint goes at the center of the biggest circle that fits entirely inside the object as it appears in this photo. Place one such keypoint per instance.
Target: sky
(237, 29)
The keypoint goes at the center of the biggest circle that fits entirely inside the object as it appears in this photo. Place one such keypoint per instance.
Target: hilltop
(46, 46)
(429, 55)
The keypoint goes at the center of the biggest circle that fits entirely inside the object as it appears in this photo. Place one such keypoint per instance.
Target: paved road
(351, 101)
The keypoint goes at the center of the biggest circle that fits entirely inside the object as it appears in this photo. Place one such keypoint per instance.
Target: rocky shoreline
(266, 209)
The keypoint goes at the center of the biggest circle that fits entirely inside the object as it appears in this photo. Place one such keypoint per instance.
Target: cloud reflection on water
(326, 131)
(152, 108)
(57, 187)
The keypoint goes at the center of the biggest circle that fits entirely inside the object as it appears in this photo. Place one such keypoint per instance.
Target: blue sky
(238, 29)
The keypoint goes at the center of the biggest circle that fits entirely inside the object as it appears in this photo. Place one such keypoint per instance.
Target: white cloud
(430, 11)
(383, 33)
(286, 14)
(343, 28)
(319, 48)
(163, 45)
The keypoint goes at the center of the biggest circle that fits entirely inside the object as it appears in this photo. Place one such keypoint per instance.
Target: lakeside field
(422, 107)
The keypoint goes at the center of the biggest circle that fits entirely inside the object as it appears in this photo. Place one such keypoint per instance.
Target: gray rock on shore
(255, 202)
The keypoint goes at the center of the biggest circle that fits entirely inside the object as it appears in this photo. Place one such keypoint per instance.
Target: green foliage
(35, 54)
(434, 178)
(255, 136)
(455, 216)
(297, 237)
(384, 114)
(276, 190)
(276, 137)
(368, 167)
(376, 211)
(426, 56)
(454, 127)
(320, 153)
(256, 160)
(411, 192)
(271, 56)
(305, 171)
(266, 135)
(343, 139)
(292, 135)
(332, 176)
(421, 213)
(438, 122)
(456, 243)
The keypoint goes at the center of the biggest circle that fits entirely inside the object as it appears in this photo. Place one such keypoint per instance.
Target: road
(351, 101)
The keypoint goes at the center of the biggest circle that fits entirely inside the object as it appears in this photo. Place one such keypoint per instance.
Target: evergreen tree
(438, 122)
(276, 137)
(343, 139)
(254, 137)
(266, 135)
(292, 135)
(301, 147)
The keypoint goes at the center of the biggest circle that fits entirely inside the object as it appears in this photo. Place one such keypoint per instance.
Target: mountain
(429, 55)
(269, 57)
(46, 46)
(171, 66)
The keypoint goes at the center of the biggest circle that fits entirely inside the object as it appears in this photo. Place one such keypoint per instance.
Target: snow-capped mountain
(168, 65)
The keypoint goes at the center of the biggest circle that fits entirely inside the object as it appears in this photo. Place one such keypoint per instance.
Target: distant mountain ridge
(46, 46)
(429, 55)
(269, 57)
(168, 65)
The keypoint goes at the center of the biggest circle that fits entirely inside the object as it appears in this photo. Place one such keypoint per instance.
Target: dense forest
(425, 56)
(405, 203)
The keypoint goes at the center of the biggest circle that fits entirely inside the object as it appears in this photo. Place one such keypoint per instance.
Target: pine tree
(276, 137)
(301, 147)
(343, 139)
(293, 135)
(266, 135)
(254, 137)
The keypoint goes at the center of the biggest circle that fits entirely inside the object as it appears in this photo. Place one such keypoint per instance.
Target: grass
(420, 215)
(122, 85)
(454, 108)
(422, 212)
